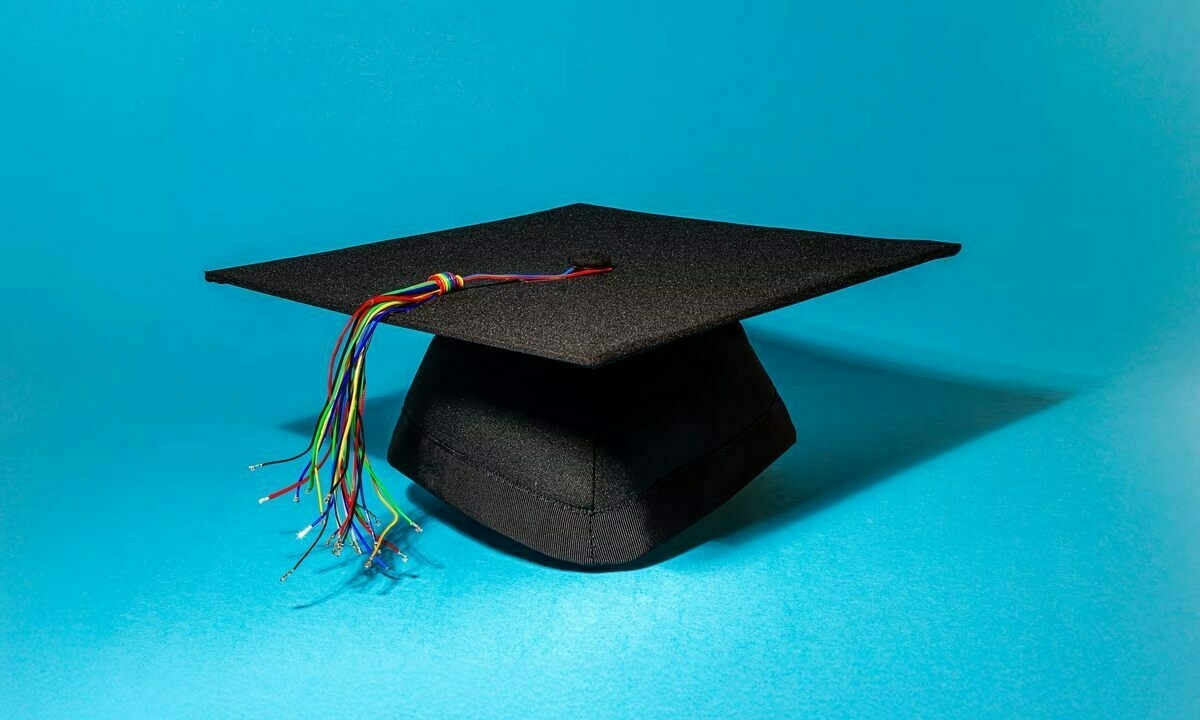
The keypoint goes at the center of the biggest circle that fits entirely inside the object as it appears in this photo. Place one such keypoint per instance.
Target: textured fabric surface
(674, 277)
(591, 465)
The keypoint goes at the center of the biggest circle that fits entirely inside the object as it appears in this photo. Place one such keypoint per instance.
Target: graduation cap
(590, 407)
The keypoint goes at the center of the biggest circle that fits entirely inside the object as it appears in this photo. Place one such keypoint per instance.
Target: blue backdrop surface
(992, 507)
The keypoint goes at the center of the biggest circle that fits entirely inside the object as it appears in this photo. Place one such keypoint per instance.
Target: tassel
(337, 466)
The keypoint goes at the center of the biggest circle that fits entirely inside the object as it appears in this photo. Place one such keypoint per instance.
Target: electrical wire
(338, 440)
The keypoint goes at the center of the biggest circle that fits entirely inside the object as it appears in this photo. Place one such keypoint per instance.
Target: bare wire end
(254, 467)
(264, 499)
(300, 535)
(285, 576)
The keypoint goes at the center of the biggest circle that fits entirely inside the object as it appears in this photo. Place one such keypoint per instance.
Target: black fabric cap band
(591, 466)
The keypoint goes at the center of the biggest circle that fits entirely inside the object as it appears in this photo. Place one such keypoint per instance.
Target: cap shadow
(858, 422)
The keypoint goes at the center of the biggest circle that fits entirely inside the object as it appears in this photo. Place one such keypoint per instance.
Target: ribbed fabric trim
(609, 536)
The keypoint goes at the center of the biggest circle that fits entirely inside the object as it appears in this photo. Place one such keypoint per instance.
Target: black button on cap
(590, 259)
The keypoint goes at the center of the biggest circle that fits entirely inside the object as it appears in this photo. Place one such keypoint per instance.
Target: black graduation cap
(590, 419)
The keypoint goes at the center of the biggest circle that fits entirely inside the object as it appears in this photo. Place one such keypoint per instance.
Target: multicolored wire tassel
(338, 467)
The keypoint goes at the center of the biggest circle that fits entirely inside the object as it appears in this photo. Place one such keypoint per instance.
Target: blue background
(992, 507)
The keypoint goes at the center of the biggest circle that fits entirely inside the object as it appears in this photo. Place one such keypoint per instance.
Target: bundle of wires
(338, 437)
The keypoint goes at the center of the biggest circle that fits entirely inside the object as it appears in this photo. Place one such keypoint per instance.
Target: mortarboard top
(590, 419)
(675, 277)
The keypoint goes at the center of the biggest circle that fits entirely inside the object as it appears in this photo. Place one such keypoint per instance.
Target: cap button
(590, 259)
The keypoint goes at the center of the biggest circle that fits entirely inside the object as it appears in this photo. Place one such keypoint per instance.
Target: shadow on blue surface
(857, 421)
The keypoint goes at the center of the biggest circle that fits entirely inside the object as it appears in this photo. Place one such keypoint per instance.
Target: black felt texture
(674, 277)
(594, 466)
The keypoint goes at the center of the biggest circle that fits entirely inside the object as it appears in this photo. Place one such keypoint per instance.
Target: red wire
(301, 481)
(357, 446)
